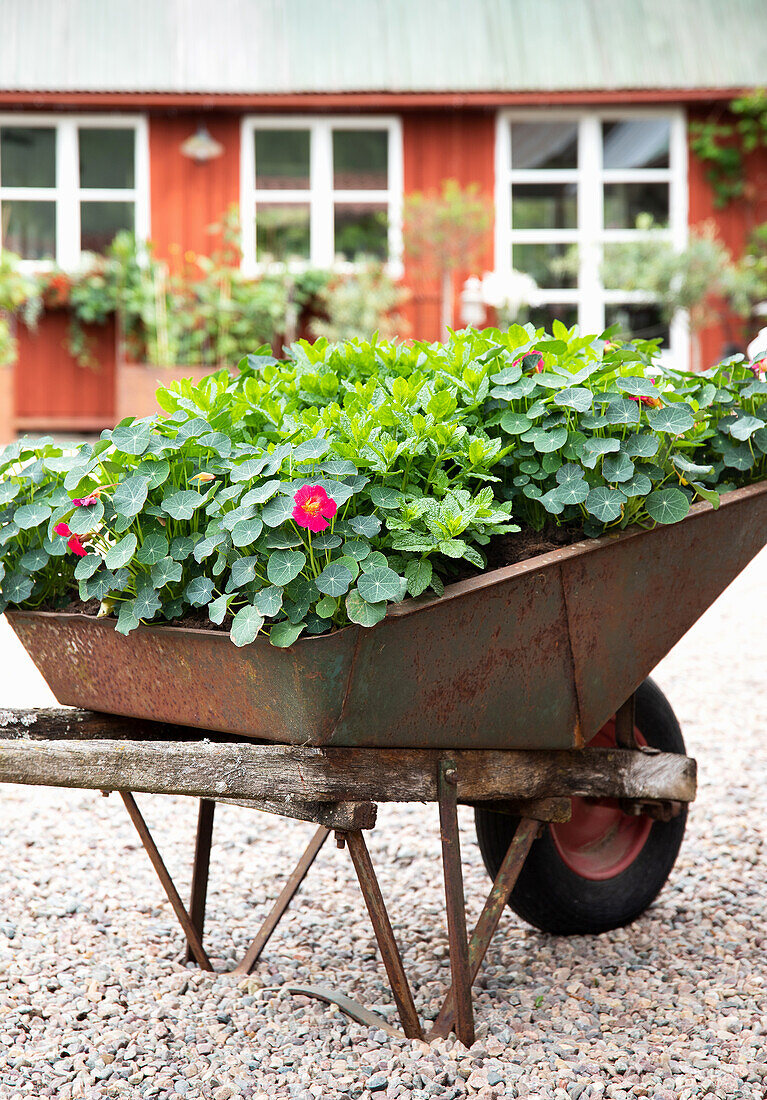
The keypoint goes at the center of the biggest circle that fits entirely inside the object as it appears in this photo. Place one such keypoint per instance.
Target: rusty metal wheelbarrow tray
(537, 655)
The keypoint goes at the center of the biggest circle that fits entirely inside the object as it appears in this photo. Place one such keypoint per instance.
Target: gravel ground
(94, 1001)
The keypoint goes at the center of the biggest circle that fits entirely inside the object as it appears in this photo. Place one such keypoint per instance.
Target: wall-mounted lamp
(201, 147)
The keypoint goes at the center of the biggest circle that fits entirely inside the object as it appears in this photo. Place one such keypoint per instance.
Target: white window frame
(321, 195)
(590, 296)
(67, 192)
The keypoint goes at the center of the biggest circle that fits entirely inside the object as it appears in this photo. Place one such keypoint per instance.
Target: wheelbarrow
(522, 692)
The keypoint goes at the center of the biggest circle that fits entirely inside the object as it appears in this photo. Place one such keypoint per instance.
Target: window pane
(642, 320)
(361, 230)
(282, 159)
(360, 159)
(544, 145)
(538, 260)
(636, 143)
(624, 202)
(542, 316)
(29, 228)
(282, 232)
(27, 156)
(106, 158)
(100, 222)
(544, 206)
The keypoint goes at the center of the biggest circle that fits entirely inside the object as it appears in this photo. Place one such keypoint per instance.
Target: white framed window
(321, 192)
(572, 184)
(69, 184)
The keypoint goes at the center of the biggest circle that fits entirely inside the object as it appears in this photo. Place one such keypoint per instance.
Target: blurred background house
(583, 137)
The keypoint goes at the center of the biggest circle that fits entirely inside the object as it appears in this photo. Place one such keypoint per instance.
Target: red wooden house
(571, 115)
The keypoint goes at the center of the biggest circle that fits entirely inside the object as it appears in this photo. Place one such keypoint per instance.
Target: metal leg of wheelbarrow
(200, 871)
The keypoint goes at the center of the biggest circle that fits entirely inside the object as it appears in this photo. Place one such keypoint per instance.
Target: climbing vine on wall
(722, 145)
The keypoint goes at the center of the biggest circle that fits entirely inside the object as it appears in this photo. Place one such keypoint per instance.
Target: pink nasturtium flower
(313, 508)
(85, 502)
(63, 530)
(76, 546)
(539, 361)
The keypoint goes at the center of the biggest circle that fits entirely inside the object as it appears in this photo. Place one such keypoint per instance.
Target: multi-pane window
(69, 185)
(321, 191)
(572, 189)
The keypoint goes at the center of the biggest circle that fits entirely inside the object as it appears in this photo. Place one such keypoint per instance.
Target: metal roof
(304, 46)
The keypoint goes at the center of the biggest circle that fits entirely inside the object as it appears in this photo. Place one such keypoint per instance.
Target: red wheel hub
(600, 841)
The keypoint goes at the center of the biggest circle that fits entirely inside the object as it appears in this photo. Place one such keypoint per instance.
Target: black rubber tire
(552, 897)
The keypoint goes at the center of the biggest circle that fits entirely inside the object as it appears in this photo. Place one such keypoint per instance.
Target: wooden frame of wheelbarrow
(338, 790)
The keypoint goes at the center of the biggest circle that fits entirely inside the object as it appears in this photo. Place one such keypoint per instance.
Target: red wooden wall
(734, 224)
(448, 144)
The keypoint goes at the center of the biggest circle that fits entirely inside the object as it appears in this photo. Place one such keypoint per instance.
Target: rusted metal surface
(489, 918)
(455, 902)
(193, 937)
(288, 892)
(200, 871)
(535, 655)
(384, 934)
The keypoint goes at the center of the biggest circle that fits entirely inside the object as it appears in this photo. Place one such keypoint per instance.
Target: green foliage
(356, 305)
(721, 145)
(416, 455)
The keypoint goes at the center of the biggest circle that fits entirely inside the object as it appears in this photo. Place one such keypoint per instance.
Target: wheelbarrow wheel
(603, 868)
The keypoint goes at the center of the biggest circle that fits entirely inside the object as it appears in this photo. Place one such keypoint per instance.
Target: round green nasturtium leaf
(551, 501)
(418, 575)
(147, 602)
(269, 600)
(745, 426)
(368, 526)
(121, 553)
(87, 566)
(334, 580)
(514, 423)
(284, 633)
(260, 494)
(31, 515)
(284, 566)
(689, 468)
(246, 625)
(158, 471)
(508, 376)
(154, 548)
(311, 450)
(246, 531)
(362, 612)
(738, 456)
(86, 519)
(374, 560)
(605, 504)
(760, 439)
(165, 571)
(706, 493)
(127, 619)
(17, 587)
(621, 411)
(326, 607)
(545, 442)
(617, 467)
(326, 541)
(638, 485)
(674, 419)
(574, 397)
(247, 470)
(180, 548)
(217, 442)
(9, 490)
(277, 511)
(243, 571)
(641, 445)
(101, 584)
(35, 559)
(183, 504)
(218, 608)
(595, 446)
(637, 385)
(132, 439)
(385, 497)
(667, 505)
(283, 540)
(130, 496)
(379, 584)
(199, 591)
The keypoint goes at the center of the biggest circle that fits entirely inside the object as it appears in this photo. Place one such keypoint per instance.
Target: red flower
(85, 502)
(653, 402)
(313, 507)
(76, 546)
(63, 530)
(539, 362)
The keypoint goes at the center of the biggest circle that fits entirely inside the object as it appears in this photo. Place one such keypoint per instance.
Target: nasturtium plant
(312, 492)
